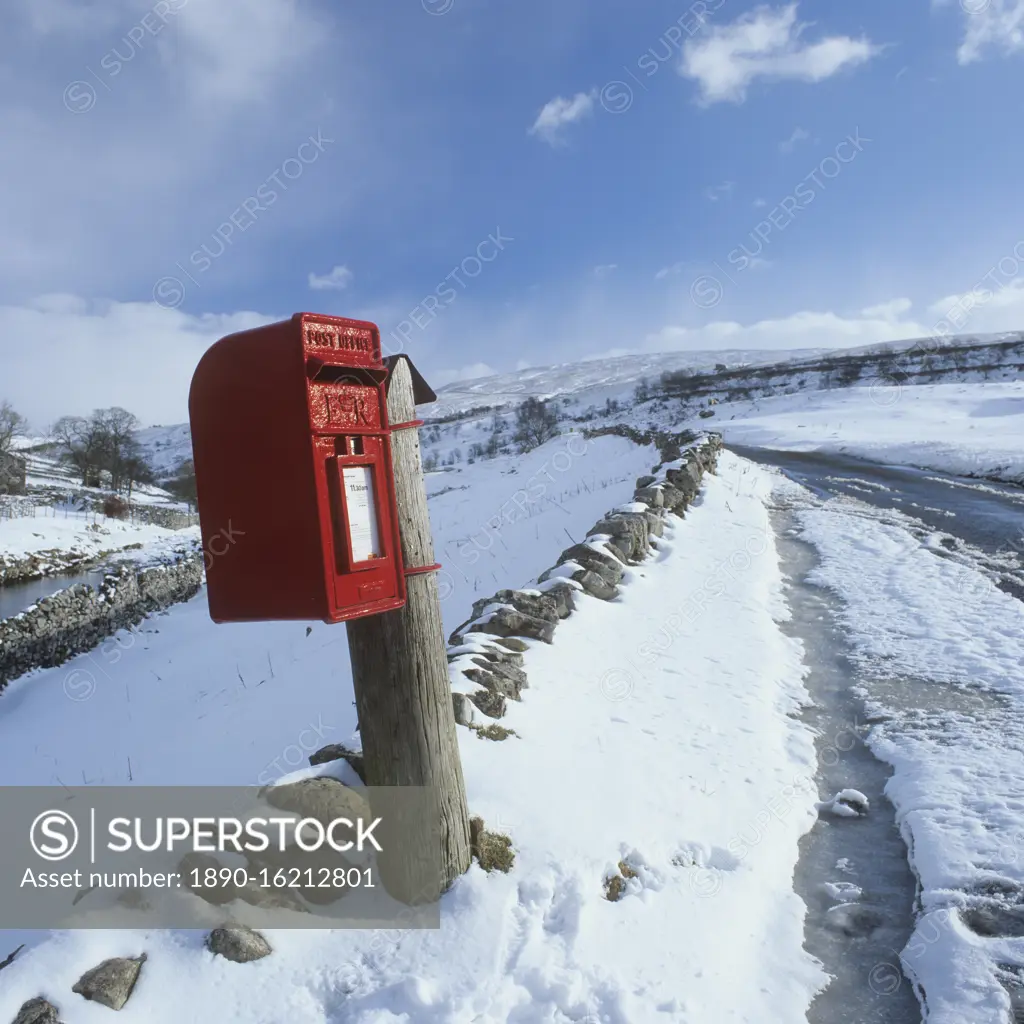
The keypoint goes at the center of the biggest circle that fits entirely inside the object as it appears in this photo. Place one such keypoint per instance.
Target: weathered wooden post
(399, 664)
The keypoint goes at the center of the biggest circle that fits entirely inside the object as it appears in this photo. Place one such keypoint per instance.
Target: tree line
(100, 447)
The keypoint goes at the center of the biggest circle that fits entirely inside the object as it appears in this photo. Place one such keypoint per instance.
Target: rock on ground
(111, 983)
(238, 943)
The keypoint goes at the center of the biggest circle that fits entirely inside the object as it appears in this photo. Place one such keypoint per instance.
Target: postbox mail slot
(338, 373)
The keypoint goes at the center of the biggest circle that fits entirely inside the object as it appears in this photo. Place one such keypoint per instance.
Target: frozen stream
(865, 947)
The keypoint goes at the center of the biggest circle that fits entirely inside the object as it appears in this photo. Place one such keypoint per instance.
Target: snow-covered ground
(57, 539)
(940, 657)
(967, 429)
(657, 731)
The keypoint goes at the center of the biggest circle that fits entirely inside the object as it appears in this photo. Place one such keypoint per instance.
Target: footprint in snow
(847, 803)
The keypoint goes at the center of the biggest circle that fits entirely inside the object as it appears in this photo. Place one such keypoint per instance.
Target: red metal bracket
(406, 426)
(420, 569)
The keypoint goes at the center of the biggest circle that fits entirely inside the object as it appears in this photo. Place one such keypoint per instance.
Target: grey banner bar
(308, 854)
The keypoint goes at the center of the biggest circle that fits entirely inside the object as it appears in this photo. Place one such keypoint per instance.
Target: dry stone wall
(485, 653)
(81, 617)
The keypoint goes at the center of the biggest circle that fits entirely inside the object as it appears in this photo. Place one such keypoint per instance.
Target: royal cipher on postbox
(294, 479)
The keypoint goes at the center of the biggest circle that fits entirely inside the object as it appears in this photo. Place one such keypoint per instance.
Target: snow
(848, 803)
(53, 536)
(939, 649)
(658, 732)
(972, 429)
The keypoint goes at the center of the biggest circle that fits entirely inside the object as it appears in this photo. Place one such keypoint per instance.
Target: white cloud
(338, 279)
(559, 112)
(788, 145)
(766, 43)
(805, 329)
(715, 192)
(760, 202)
(982, 310)
(891, 310)
(97, 354)
(758, 263)
(992, 311)
(604, 270)
(670, 271)
(996, 25)
(233, 50)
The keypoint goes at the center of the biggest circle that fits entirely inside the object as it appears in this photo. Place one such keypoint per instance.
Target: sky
(496, 185)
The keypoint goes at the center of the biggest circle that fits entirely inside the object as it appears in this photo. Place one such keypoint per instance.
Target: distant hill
(595, 382)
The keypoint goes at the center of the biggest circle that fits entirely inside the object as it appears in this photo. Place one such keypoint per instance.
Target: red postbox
(292, 454)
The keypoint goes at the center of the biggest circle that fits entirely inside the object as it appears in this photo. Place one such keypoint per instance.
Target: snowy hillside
(594, 380)
(466, 415)
(165, 448)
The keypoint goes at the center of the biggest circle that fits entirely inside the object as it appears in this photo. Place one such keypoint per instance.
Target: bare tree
(535, 424)
(102, 443)
(81, 445)
(117, 427)
(12, 425)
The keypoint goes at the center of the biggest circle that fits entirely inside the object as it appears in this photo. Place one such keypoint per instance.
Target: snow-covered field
(966, 429)
(657, 732)
(50, 534)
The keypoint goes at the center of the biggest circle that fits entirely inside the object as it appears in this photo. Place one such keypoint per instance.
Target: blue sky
(496, 184)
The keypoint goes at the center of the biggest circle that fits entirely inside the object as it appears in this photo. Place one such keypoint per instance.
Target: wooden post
(399, 661)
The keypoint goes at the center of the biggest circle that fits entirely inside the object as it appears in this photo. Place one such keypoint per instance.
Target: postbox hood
(422, 392)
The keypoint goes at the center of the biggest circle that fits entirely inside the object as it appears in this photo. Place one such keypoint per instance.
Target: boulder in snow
(37, 1011)
(339, 752)
(324, 799)
(490, 703)
(237, 943)
(463, 708)
(111, 983)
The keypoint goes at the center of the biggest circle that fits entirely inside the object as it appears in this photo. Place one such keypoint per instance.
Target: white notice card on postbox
(364, 543)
